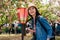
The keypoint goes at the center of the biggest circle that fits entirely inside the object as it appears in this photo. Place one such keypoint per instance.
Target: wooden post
(23, 31)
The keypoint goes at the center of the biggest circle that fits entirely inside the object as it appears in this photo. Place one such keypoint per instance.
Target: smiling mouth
(32, 12)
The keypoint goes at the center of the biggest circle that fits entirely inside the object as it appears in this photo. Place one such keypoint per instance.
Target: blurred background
(9, 23)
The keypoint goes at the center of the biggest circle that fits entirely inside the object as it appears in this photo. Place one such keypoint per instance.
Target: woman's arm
(46, 24)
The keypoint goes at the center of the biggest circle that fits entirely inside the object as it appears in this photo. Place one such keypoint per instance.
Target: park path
(14, 37)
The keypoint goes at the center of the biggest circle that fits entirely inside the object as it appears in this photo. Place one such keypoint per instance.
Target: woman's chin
(32, 14)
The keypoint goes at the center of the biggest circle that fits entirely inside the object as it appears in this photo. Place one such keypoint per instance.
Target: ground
(18, 37)
(14, 37)
(57, 37)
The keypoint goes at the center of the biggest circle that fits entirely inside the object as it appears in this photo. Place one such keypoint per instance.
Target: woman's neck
(34, 17)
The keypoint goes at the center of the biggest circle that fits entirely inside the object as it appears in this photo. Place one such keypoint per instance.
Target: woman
(36, 25)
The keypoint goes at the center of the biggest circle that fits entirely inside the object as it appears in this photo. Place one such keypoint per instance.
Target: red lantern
(22, 15)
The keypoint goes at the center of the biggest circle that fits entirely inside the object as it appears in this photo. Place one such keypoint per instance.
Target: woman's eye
(32, 8)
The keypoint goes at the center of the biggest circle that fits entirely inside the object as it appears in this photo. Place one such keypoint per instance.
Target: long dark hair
(37, 13)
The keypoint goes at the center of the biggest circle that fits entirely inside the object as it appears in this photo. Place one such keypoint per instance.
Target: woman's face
(32, 11)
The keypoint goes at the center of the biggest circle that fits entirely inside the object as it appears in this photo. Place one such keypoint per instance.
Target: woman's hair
(37, 13)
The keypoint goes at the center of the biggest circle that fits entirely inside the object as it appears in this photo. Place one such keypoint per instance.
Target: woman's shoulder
(41, 17)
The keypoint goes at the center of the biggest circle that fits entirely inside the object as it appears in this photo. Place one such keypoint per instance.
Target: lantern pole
(23, 31)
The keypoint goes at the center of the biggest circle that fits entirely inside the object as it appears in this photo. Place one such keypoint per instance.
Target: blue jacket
(41, 34)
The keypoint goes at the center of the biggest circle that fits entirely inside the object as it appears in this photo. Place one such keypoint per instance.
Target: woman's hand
(48, 38)
(30, 30)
